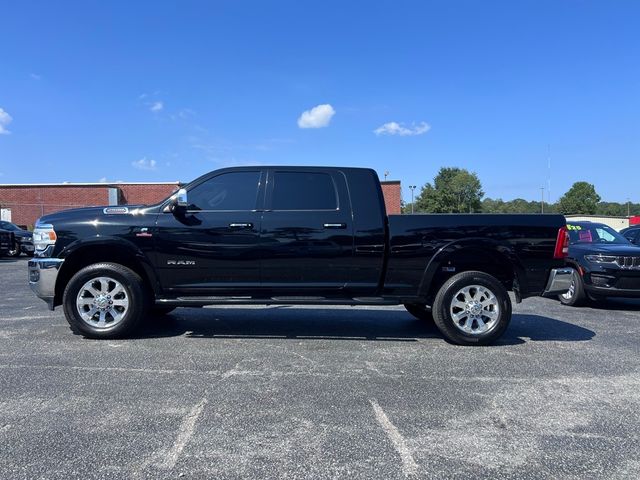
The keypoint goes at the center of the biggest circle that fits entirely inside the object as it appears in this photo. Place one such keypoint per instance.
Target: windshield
(596, 233)
(8, 226)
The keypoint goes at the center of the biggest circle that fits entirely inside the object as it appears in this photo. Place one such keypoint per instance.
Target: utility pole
(412, 187)
(542, 200)
(628, 207)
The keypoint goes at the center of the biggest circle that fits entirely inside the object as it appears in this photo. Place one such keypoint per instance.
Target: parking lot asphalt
(310, 392)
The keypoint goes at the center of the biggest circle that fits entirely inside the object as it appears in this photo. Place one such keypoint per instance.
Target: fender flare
(115, 242)
(501, 249)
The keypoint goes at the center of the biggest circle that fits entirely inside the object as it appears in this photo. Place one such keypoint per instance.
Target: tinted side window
(229, 191)
(303, 191)
(631, 235)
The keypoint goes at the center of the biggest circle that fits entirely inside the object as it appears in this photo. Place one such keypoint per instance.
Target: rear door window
(631, 235)
(303, 191)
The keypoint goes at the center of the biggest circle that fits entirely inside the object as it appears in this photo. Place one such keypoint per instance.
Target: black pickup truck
(293, 235)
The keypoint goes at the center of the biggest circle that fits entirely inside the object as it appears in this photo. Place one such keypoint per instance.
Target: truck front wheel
(104, 300)
(472, 308)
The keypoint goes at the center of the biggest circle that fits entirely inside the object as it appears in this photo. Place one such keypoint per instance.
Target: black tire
(497, 304)
(15, 251)
(420, 311)
(576, 295)
(159, 311)
(133, 290)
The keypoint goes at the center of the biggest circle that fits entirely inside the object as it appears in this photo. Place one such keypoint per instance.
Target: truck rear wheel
(472, 308)
(104, 300)
(420, 311)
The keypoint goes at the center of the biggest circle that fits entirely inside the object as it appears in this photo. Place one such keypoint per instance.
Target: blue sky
(153, 91)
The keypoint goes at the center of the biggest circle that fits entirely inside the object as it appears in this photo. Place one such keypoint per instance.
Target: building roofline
(87, 184)
(623, 217)
(389, 182)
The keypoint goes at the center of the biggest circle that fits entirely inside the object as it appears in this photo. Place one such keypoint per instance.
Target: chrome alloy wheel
(475, 310)
(102, 302)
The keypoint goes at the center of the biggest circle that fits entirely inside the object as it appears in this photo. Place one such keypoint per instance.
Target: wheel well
(482, 260)
(91, 254)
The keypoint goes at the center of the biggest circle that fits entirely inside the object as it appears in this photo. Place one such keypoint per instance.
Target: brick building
(392, 193)
(29, 202)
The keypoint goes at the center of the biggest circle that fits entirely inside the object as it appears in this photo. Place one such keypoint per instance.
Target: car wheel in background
(15, 251)
(575, 296)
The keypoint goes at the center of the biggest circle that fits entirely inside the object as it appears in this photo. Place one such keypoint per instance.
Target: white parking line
(409, 465)
(30, 317)
(184, 435)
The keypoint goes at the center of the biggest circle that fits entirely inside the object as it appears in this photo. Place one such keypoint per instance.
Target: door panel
(307, 232)
(214, 246)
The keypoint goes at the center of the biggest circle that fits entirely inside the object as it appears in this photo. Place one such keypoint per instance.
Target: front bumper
(559, 281)
(43, 273)
(27, 247)
(613, 283)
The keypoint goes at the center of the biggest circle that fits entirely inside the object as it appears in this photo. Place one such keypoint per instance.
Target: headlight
(601, 258)
(44, 236)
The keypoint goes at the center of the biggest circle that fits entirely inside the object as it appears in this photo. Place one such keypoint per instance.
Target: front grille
(5, 241)
(631, 263)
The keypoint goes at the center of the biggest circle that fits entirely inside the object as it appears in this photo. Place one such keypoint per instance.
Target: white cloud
(144, 164)
(103, 180)
(35, 76)
(5, 119)
(318, 117)
(156, 107)
(395, 128)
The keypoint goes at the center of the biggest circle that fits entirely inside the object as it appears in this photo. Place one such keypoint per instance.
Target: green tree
(454, 190)
(580, 199)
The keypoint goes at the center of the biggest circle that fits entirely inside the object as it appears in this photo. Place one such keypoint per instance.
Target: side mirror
(178, 202)
(181, 198)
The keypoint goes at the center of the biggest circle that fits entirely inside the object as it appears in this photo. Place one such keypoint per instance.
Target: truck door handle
(335, 225)
(240, 225)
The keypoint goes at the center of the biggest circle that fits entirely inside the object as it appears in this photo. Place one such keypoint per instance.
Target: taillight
(562, 244)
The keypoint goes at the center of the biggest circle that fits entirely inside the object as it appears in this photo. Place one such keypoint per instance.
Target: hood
(22, 234)
(88, 213)
(604, 248)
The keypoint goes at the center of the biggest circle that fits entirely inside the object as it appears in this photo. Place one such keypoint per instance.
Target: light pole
(412, 187)
(628, 207)
(542, 200)
(386, 174)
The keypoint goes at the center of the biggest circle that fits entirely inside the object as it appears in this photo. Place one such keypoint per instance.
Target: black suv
(632, 234)
(23, 239)
(606, 264)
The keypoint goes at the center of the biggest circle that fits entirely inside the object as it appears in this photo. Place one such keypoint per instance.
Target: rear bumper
(559, 281)
(43, 273)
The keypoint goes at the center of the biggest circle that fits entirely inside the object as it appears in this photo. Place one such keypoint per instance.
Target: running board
(280, 300)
